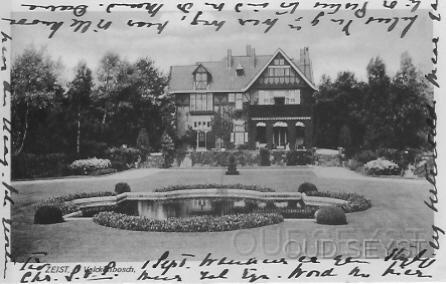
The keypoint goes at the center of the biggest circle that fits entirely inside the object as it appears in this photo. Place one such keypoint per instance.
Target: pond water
(205, 206)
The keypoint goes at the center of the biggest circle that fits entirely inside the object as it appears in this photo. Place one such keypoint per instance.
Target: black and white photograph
(222, 141)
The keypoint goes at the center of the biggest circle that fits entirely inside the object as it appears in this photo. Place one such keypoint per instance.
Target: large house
(267, 99)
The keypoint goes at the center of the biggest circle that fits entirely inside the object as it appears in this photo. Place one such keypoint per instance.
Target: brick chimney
(251, 53)
(305, 63)
(229, 58)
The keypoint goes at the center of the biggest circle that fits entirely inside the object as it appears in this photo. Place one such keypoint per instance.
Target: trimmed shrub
(279, 157)
(300, 157)
(34, 166)
(306, 187)
(125, 155)
(232, 167)
(381, 167)
(100, 172)
(119, 165)
(330, 216)
(122, 187)
(210, 185)
(48, 215)
(265, 157)
(188, 224)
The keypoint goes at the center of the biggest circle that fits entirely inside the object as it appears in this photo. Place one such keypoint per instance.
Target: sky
(331, 51)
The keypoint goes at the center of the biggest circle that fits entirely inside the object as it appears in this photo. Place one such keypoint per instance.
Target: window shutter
(232, 137)
(246, 137)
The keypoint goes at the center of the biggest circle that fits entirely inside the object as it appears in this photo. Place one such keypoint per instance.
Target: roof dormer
(202, 77)
(239, 70)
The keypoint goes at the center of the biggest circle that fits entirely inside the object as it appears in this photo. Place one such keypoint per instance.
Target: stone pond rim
(153, 204)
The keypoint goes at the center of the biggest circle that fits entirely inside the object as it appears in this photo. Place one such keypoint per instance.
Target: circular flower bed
(188, 224)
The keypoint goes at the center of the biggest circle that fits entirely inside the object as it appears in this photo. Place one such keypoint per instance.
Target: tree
(378, 113)
(338, 104)
(345, 139)
(143, 142)
(34, 85)
(409, 97)
(79, 95)
(168, 149)
(221, 126)
(108, 76)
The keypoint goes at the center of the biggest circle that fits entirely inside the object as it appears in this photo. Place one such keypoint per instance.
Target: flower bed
(292, 213)
(64, 204)
(381, 167)
(87, 166)
(355, 202)
(189, 224)
(208, 186)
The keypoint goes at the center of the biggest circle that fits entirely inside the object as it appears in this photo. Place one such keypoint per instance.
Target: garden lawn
(398, 216)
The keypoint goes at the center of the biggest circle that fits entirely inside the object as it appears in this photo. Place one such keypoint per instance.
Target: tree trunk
(25, 131)
(78, 136)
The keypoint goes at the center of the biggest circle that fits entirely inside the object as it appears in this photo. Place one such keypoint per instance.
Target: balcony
(279, 111)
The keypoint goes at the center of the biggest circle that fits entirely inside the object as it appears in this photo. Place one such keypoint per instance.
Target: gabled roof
(224, 78)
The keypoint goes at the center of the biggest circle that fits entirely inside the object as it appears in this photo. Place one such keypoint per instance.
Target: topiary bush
(330, 216)
(122, 187)
(306, 187)
(48, 215)
(232, 167)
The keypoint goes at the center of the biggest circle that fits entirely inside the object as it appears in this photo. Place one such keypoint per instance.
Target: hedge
(189, 224)
(64, 204)
(221, 158)
(211, 185)
(40, 165)
(355, 202)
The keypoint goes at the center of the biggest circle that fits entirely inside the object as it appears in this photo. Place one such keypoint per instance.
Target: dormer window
(239, 70)
(201, 78)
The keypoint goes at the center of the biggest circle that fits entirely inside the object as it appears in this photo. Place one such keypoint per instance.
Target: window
(201, 102)
(270, 97)
(201, 80)
(231, 97)
(261, 132)
(279, 72)
(239, 101)
(239, 136)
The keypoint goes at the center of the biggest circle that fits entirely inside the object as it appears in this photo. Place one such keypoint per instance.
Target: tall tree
(378, 115)
(79, 95)
(33, 84)
(339, 105)
(108, 76)
(409, 95)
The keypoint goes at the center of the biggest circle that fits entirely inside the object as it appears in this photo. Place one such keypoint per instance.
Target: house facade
(258, 100)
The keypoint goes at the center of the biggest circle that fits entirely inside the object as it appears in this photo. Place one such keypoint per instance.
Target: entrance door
(280, 137)
(201, 139)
